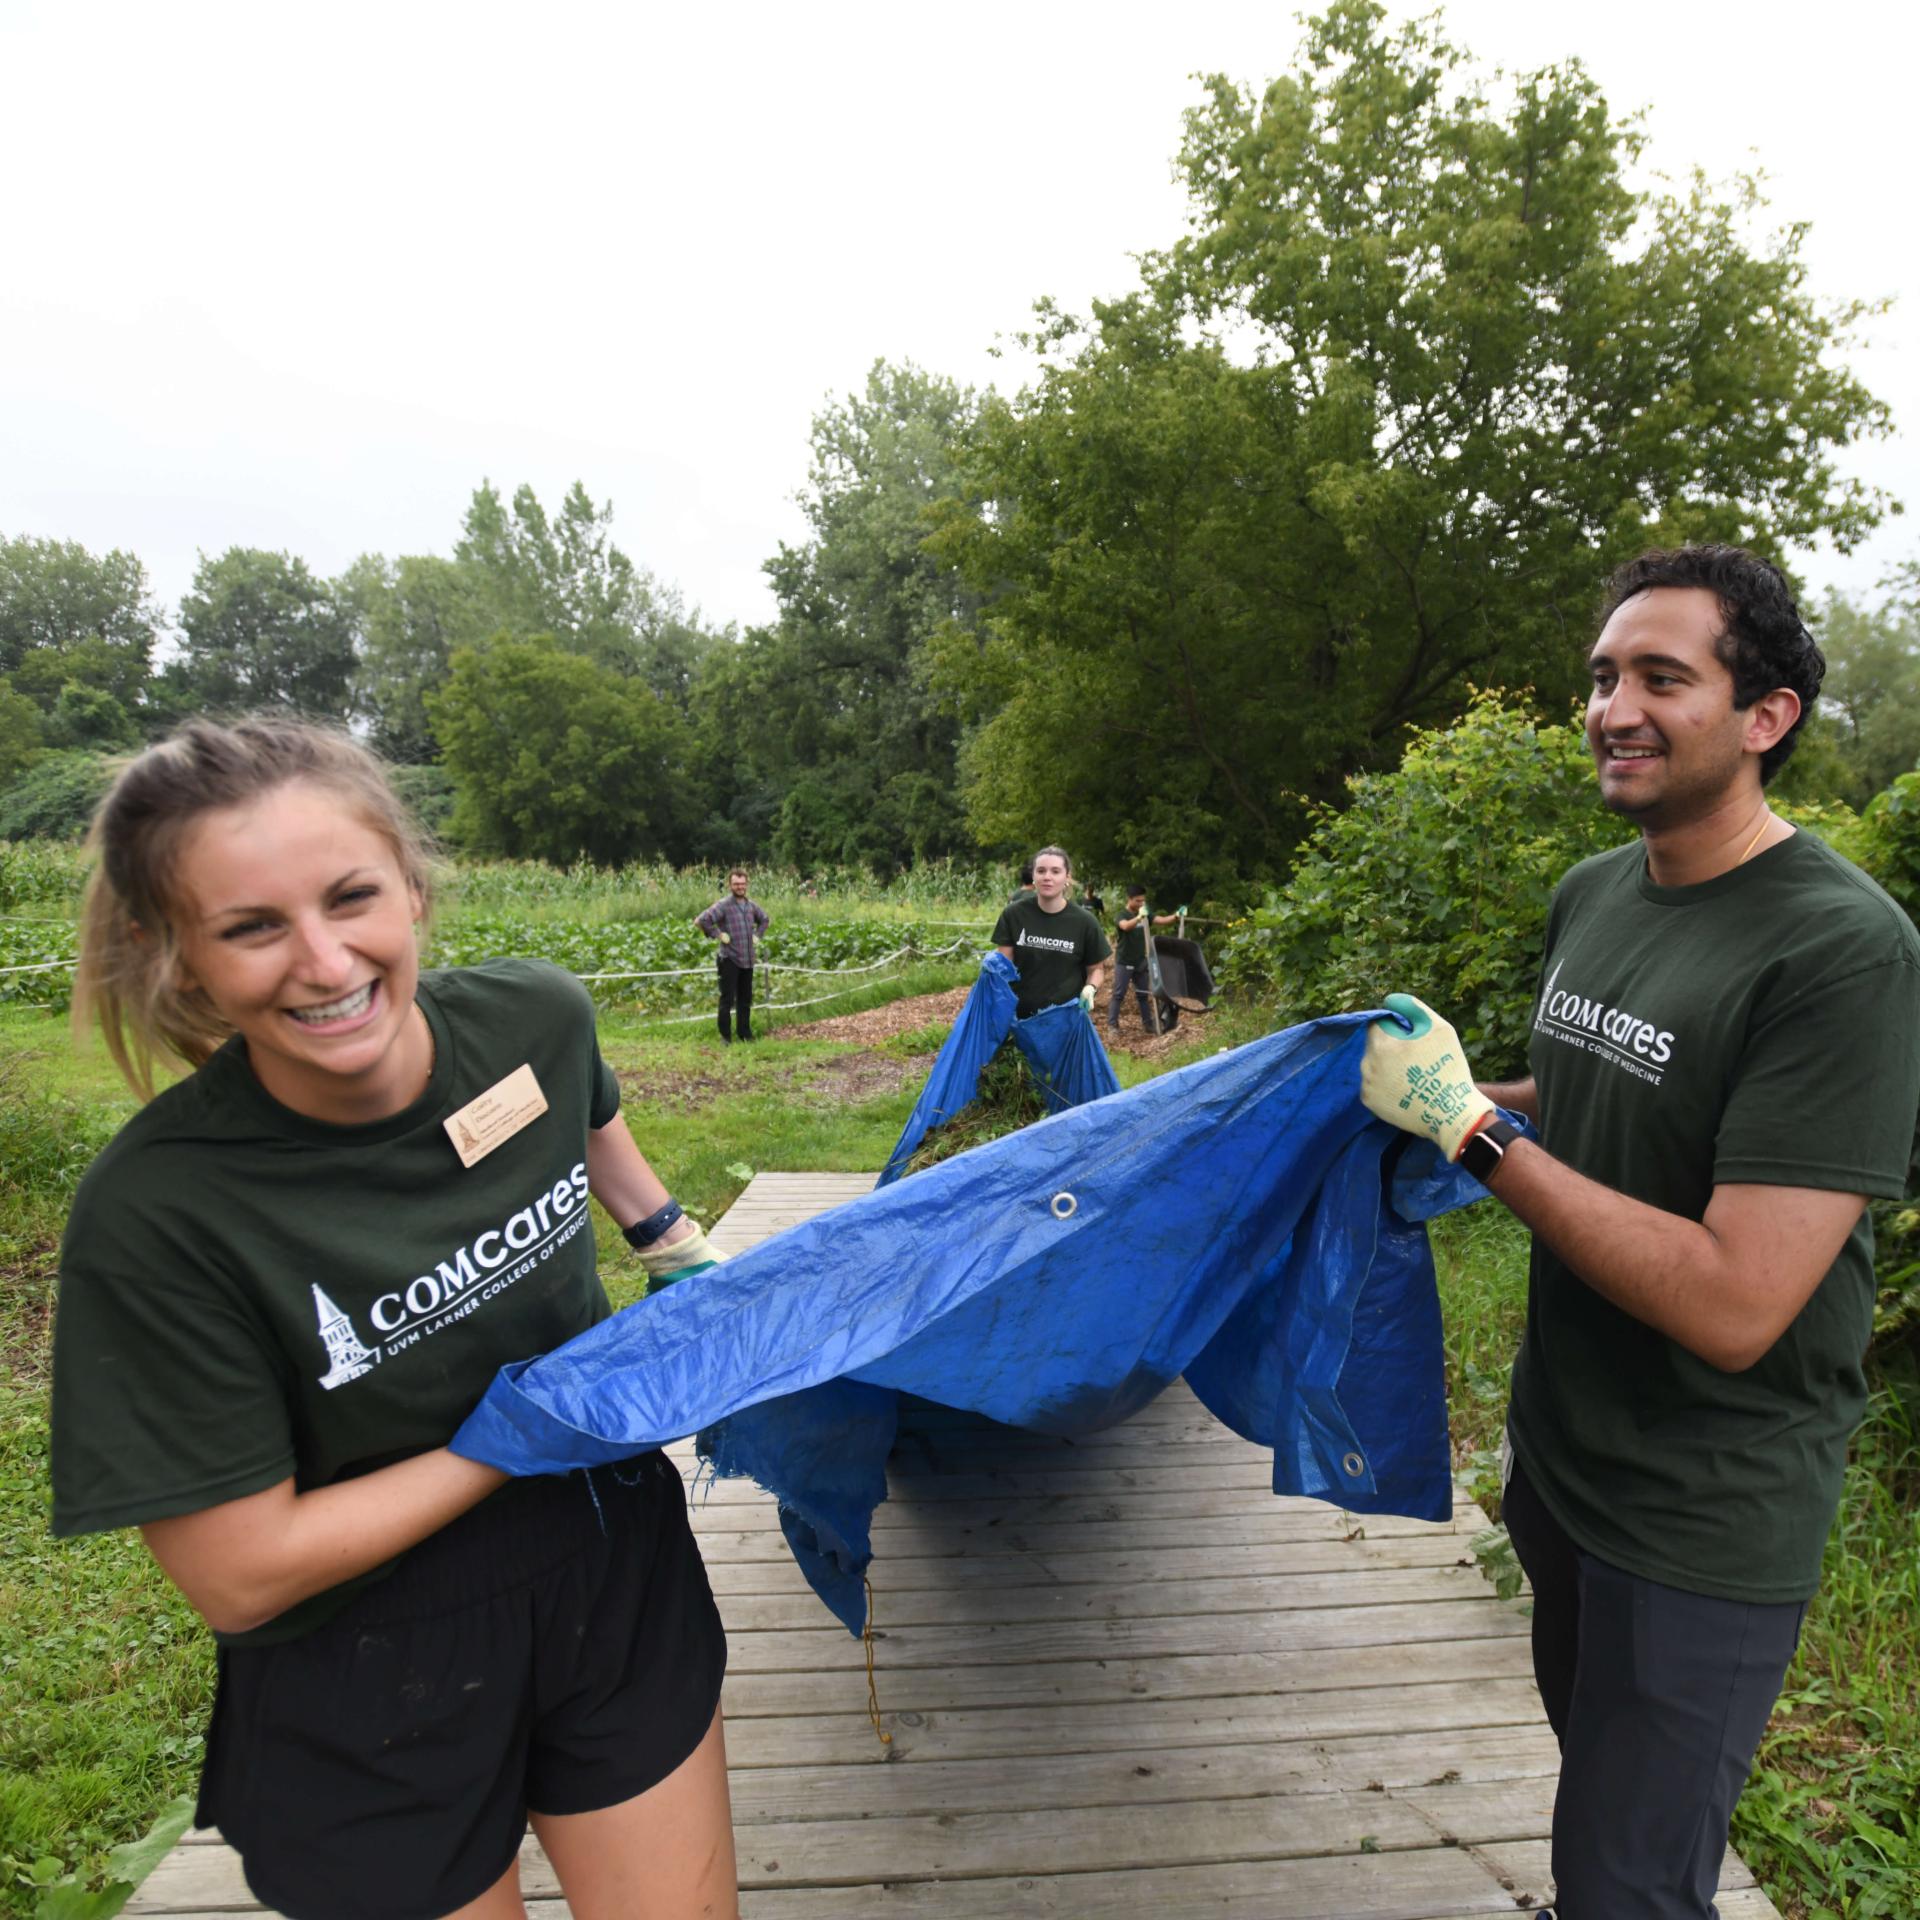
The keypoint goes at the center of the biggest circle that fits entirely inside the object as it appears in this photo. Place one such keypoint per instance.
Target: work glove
(1414, 1076)
(688, 1255)
(724, 937)
(1086, 1000)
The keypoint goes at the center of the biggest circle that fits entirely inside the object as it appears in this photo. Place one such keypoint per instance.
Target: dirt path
(929, 1009)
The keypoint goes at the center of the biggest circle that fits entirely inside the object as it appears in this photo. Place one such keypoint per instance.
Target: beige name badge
(496, 1115)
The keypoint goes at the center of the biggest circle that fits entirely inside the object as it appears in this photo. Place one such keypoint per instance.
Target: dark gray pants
(1137, 978)
(736, 995)
(1658, 1699)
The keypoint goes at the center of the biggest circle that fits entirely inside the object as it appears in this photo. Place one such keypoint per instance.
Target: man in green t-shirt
(1059, 948)
(1726, 1066)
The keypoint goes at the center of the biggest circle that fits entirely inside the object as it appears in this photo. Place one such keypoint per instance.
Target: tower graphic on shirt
(348, 1358)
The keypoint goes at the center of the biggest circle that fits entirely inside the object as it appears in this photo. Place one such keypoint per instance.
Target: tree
(20, 739)
(1871, 696)
(68, 616)
(408, 617)
(843, 750)
(565, 578)
(1425, 366)
(261, 632)
(554, 756)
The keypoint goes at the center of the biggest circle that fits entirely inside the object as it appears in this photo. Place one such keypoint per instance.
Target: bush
(55, 798)
(1435, 880)
(37, 874)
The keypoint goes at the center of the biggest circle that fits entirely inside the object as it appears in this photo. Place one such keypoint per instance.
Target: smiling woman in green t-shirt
(1058, 948)
(283, 1285)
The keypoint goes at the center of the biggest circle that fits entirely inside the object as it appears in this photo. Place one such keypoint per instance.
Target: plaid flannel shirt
(744, 921)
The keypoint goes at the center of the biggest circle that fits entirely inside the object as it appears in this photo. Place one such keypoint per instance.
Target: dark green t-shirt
(1760, 1028)
(1052, 950)
(246, 1293)
(1130, 943)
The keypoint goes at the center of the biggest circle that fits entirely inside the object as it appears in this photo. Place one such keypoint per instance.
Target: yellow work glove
(688, 1255)
(1418, 1080)
(724, 937)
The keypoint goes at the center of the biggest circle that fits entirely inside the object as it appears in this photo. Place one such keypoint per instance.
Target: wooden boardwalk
(1122, 1678)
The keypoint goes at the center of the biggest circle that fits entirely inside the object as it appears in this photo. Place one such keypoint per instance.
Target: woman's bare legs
(666, 1854)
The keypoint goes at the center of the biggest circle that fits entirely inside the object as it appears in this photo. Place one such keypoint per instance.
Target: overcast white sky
(298, 277)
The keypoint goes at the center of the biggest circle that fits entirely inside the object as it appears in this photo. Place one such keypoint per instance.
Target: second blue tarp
(1059, 1045)
(1243, 1221)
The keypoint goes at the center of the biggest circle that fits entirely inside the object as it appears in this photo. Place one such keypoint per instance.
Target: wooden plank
(1063, 1643)
(1410, 1885)
(1126, 1726)
(1094, 1502)
(1139, 1598)
(1067, 1568)
(729, 1538)
(1143, 1776)
(1235, 1676)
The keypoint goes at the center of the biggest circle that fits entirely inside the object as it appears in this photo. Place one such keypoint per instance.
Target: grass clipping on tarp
(1005, 1101)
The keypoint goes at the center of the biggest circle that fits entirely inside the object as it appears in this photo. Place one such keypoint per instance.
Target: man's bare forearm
(1725, 1287)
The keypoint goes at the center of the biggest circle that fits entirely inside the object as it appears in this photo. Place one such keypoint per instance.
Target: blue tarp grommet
(1064, 1205)
(1353, 1466)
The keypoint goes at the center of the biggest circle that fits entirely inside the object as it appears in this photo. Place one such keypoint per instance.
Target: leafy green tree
(562, 576)
(407, 616)
(1871, 696)
(839, 749)
(261, 631)
(70, 616)
(1426, 365)
(554, 756)
(86, 716)
(20, 735)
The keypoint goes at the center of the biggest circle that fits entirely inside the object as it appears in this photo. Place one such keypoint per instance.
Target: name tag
(496, 1115)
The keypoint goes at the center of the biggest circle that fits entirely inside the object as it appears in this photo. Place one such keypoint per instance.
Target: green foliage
(1870, 699)
(55, 797)
(70, 617)
(261, 631)
(21, 738)
(90, 718)
(1435, 880)
(838, 750)
(38, 874)
(1426, 366)
(1888, 841)
(554, 756)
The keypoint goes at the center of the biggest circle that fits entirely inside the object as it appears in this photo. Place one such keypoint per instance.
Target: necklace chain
(1766, 820)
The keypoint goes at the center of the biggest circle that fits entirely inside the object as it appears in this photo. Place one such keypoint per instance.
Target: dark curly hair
(1764, 643)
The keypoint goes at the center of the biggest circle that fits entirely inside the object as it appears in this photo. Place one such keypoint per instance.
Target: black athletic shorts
(556, 1649)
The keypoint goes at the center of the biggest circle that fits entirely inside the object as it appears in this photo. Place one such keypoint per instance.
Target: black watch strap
(1487, 1149)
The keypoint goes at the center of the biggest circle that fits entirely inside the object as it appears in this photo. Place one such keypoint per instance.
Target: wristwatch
(1487, 1148)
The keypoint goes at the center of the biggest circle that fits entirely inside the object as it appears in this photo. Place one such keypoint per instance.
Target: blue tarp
(1062, 1051)
(1243, 1221)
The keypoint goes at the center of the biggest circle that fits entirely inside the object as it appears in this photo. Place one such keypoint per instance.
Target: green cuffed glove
(1086, 1000)
(689, 1254)
(1418, 1081)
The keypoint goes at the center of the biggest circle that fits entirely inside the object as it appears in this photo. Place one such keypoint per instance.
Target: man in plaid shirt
(737, 924)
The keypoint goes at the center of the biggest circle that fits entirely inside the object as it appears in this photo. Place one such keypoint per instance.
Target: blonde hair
(1060, 853)
(127, 976)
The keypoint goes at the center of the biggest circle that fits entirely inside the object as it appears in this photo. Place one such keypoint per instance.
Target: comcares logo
(1613, 1033)
(469, 1277)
